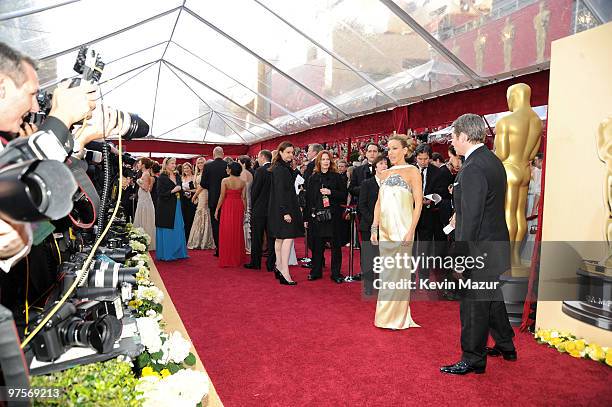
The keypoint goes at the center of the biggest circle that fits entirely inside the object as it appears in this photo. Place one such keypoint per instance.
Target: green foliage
(190, 360)
(354, 156)
(108, 384)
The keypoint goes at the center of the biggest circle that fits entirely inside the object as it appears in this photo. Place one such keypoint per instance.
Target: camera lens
(37, 191)
(100, 334)
(131, 126)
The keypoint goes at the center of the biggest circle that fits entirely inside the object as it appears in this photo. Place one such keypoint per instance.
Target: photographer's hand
(71, 105)
(99, 128)
(15, 239)
(27, 129)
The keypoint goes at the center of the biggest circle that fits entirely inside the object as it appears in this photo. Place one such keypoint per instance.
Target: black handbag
(323, 215)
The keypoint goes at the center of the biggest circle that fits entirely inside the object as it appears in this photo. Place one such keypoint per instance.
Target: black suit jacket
(308, 172)
(214, 172)
(260, 191)
(435, 182)
(368, 195)
(479, 194)
(360, 174)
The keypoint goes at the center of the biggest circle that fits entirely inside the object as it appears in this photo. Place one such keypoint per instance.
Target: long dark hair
(278, 160)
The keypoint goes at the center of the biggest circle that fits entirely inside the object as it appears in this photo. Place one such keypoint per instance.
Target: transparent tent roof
(242, 71)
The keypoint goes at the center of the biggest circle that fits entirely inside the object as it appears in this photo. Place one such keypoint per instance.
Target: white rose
(176, 348)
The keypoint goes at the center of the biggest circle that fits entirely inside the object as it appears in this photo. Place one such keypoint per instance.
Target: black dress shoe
(251, 266)
(495, 352)
(313, 278)
(339, 279)
(277, 273)
(216, 254)
(462, 368)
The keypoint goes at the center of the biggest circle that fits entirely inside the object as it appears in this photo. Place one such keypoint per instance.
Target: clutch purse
(323, 215)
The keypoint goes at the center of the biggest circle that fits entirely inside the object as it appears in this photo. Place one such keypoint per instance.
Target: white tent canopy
(242, 71)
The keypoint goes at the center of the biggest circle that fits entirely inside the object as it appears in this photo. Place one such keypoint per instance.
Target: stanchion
(352, 211)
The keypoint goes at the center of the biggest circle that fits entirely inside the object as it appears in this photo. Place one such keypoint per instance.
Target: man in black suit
(429, 228)
(365, 171)
(479, 195)
(368, 195)
(260, 195)
(214, 172)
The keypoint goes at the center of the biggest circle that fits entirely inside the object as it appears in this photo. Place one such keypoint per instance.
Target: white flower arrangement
(137, 246)
(150, 293)
(175, 348)
(137, 233)
(185, 388)
(150, 334)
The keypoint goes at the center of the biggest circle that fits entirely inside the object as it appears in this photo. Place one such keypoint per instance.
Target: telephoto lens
(130, 126)
(106, 274)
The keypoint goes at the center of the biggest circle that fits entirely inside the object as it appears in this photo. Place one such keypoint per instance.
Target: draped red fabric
(160, 146)
(534, 272)
(425, 114)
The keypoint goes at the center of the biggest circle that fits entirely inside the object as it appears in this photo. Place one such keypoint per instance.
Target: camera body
(83, 326)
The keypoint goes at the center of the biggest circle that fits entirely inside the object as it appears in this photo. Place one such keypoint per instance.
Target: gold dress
(201, 236)
(396, 206)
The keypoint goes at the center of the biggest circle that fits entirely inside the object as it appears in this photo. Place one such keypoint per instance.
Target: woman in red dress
(230, 213)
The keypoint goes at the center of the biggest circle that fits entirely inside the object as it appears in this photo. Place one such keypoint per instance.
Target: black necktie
(423, 176)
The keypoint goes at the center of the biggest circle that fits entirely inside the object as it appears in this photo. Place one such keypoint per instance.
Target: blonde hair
(406, 142)
(196, 170)
(188, 166)
(164, 168)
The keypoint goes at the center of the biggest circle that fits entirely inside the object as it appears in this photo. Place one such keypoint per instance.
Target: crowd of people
(404, 196)
(232, 206)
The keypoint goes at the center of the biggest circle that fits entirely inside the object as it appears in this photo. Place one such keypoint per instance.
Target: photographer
(18, 91)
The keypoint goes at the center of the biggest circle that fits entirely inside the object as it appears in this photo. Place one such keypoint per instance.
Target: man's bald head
(218, 152)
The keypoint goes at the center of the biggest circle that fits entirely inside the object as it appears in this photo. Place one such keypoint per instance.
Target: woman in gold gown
(396, 215)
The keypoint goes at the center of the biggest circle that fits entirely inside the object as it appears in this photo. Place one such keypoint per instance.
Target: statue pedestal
(594, 305)
(520, 271)
(514, 287)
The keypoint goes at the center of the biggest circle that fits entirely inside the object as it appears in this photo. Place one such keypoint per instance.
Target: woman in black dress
(326, 192)
(188, 207)
(284, 216)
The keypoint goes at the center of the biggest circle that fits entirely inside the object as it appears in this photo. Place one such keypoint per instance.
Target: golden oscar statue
(507, 37)
(604, 151)
(517, 141)
(594, 285)
(479, 47)
(540, 23)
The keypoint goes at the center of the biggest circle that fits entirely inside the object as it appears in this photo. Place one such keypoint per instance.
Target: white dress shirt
(471, 150)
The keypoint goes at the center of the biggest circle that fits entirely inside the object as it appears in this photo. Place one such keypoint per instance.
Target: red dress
(231, 230)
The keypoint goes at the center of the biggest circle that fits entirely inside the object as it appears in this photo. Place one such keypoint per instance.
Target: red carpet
(315, 344)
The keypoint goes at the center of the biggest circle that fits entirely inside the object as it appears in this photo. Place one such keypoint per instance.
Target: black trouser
(259, 225)
(317, 255)
(215, 226)
(427, 237)
(480, 317)
(310, 238)
(366, 260)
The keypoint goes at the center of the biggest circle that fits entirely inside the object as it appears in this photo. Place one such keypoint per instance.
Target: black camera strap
(86, 192)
